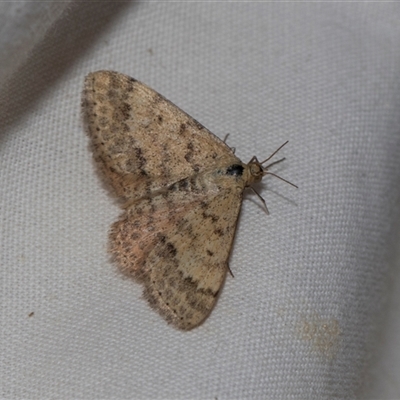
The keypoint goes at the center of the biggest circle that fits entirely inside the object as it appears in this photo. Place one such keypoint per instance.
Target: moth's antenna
(273, 163)
(276, 162)
(282, 179)
(287, 141)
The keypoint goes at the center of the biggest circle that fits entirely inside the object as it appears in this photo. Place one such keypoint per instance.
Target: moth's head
(257, 170)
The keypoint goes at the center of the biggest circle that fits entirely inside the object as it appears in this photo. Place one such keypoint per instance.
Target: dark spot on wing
(213, 217)
(219, 232)
(183, 184)
(114, 81)
(125, 127)
(112, 94)
(169, 251)
(161, 237)
(196, 124)
(189, 154)
(235, 169)
(158, 98)
(125, 109)
(141, 160)
(182, 128)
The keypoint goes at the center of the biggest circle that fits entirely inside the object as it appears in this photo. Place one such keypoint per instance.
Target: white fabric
(23, 24)
(304, 313)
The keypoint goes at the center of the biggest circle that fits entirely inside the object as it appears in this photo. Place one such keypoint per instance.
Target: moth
(181, 190)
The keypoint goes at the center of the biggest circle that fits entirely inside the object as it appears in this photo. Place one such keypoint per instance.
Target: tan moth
(181, 189)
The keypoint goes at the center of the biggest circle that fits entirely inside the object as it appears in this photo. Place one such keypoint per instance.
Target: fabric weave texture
(308, 306)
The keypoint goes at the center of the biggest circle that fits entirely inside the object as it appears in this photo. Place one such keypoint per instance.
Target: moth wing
(180, 250)
(141, 141)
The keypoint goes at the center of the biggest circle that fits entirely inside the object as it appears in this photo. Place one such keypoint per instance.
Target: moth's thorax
(234, 174)
(229, 175)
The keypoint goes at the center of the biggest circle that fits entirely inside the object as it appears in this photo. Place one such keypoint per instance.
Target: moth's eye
(235, 169)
